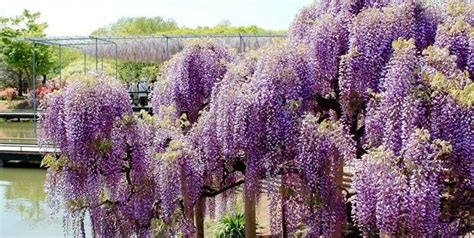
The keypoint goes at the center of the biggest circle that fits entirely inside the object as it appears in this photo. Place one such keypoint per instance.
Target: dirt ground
(4, 105)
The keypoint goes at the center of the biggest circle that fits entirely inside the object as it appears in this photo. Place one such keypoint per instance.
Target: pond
(23, 208)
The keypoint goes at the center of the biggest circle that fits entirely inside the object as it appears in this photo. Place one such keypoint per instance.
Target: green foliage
(50, 161)
(75, 68)
(68, 57)
(137, 26)
(218, 29)
(158, 26)
(231, 226)
(132, 71)
(102, 146)
(18, 54)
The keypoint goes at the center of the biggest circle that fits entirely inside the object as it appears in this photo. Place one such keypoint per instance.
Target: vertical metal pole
(116, 61)
(167, 48)
(241, 46)
(257, 45)
(60, 66)
(85, 63)
(33, 74)
(96, 59)
(102, 64)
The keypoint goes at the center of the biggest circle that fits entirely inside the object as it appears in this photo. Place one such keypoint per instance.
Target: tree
(134, 71)
(159, 26)
(131, 71)
(369, 87)
(17, 55)
(137, 26)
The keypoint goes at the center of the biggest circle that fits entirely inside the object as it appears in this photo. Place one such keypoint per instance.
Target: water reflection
(23, 208)
(17, 132)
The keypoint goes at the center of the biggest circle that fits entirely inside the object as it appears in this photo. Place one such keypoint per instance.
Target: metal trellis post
(60, 65)
(167, 48)
(241, 43)
(96, 56)
(33, 74)
(116, 61)
(85, 63)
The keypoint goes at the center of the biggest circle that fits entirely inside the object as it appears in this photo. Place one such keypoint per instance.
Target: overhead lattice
(152, 49)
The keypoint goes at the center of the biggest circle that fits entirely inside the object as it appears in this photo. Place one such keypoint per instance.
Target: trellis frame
(82, 42)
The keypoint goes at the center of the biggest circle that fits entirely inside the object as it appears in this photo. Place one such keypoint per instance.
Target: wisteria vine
(361, 123)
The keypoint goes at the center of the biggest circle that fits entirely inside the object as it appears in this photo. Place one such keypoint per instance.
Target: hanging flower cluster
(187, 80)
(103, 167)
(379, 88)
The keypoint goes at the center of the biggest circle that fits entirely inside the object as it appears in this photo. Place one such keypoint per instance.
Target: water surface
(23, 208)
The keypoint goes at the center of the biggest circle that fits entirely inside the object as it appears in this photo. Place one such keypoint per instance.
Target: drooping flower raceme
(103, 163)
(187, 80)
(386, 87)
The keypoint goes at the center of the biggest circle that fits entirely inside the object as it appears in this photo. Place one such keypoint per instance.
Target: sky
(81, 17)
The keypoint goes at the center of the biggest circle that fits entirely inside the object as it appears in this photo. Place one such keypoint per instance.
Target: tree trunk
(249, 214)
(188, 210)
(339, 226)
(284, 225)
(20, 83)
(44, 80)
(199, 216)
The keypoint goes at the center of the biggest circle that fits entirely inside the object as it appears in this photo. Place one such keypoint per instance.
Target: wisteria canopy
(157, 49)
(361, 123)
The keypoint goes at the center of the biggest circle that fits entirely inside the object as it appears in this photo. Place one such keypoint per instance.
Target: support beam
(33, 74)
(116, 61)
(284, 212)
(167, 48)
(199, 217)
(60, 65)
(339, 226)
(96, 56)
(249, 215)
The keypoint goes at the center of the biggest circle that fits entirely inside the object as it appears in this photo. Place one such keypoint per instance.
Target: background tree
(131, 71)
(17, 55)
(137, 26)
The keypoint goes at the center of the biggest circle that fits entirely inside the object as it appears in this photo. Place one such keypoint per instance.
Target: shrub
(231, 226)
(8, 94)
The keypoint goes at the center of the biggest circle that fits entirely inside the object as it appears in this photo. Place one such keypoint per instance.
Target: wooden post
(339, 226)
(188, 210)
(199, 218)
(284, 225)
(249, 214)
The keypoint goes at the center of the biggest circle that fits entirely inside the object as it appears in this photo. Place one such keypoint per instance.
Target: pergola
(149, 49)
